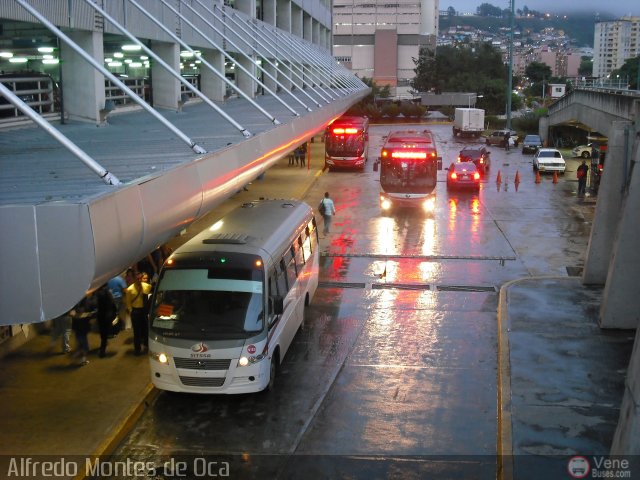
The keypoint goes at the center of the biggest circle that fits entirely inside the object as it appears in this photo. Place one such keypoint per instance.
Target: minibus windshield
(209, 303)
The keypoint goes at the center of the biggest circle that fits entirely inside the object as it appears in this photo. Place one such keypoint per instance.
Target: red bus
(346, 143)
(409, 165)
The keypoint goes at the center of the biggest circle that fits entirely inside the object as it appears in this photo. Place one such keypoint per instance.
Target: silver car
(497, 137)
(549, 160)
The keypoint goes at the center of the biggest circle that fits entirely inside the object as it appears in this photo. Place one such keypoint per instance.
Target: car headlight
(429, 205)
(385, 203)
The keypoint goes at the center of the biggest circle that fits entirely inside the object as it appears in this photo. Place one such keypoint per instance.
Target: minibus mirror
(375, 166)
(439, 159)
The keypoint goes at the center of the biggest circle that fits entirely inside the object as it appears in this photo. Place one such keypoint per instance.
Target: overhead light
(107, 60)
(131, 48)
(186, 54)
(114, 64)
(50, 61)
(135, 64)
(6, 54)
(47, 57)
(198, 61)
(128, 60)
(18, 60)
(45, 49)
(118, 54)
(144, 57)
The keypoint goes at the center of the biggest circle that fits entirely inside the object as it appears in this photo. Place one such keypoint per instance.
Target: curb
(504, 447)
(123, 427)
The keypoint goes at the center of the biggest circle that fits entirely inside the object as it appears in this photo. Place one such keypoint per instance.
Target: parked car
(531, 143)
(583, 151)
(478, 155)
(549, 160)
(463, 175)
(497, 137)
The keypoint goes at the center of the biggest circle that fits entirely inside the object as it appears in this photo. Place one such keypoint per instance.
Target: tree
(451, 12)
(586, 67)
(488, 10)
(537, 71)
(475, 68)
(629, 70)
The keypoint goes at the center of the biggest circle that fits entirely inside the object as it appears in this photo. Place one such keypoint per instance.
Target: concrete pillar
(272, 71)
(212, 86)
(82, 84)
(315, 33)
(296, 21)
(269, 12)
(620, 306)
(307, 27)
(626, 440)
(543, 130)
(246, 83)
(283, 15)
(166, 88)
(285, 76)
(608, 209)
(248, 7)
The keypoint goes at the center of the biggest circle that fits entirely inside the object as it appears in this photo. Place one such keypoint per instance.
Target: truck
(468, 122)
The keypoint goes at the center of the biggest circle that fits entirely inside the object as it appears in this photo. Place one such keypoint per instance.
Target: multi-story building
(613, 43)
(379, 39)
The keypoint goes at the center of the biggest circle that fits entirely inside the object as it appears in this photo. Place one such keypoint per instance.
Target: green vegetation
(629, 70)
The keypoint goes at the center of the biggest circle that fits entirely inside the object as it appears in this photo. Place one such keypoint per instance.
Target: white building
(613, 43)
(379, 39)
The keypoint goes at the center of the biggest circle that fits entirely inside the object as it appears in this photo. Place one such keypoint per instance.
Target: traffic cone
(537, 177)
(517, 179)
(499, 177)
(555, 177)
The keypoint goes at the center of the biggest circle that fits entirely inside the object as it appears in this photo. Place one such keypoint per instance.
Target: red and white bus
(346, 143)
(409, 165)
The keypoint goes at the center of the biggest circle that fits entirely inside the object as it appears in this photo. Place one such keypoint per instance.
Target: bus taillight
(343, 131)
(409, 155)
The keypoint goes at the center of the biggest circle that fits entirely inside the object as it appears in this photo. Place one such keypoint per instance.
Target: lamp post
(510, 79)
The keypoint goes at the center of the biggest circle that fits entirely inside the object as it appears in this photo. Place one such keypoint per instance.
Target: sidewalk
(561, 377)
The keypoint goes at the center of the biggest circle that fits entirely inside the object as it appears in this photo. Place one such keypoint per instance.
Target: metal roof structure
(80, 201)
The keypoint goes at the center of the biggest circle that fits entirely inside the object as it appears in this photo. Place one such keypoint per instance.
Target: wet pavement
(395, 373)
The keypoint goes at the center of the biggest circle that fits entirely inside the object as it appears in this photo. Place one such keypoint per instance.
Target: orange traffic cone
(517, 179)
(555, 177)
(537, 177)
(499, 177)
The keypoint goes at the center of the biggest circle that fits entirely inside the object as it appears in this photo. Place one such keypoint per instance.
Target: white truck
(468, 122)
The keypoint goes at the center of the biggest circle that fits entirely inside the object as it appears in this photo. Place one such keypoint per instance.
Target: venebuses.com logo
(598, 467)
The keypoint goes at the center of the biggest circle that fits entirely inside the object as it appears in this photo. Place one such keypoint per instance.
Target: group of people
(121, 303)
(298, 155)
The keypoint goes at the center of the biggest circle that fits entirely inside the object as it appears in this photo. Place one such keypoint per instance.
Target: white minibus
(229, 302)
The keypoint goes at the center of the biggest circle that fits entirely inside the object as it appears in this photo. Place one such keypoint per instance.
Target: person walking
(136, 301)
(507, 138)
(105, 315)
(62, 329)
(117, 285)
(81, 324)
(581, 173)
(327, 210)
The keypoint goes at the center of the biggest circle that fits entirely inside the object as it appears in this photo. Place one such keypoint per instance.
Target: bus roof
(350, 120)
(261, 224)
(410, 136)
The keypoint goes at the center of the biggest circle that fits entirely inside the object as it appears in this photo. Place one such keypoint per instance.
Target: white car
(549, 160)
(583, 151)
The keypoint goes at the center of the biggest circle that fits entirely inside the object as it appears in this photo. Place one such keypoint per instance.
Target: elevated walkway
(63, 231)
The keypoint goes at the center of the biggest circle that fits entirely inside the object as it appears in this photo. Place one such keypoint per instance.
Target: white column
(82, 84)
(166, 88)
(210, 84)
(246, 83)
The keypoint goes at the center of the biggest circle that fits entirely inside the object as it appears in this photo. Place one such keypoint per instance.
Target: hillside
(579, 26)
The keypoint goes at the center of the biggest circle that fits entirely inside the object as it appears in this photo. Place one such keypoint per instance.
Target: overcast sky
(618, 8)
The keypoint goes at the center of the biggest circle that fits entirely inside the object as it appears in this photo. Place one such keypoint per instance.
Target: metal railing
(35, 91)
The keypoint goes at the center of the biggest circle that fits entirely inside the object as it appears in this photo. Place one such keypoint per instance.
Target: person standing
(507, 138)
(581, 173)
(136, 300)
(327, 210)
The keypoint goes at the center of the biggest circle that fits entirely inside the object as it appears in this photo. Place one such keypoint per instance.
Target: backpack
(322, 208)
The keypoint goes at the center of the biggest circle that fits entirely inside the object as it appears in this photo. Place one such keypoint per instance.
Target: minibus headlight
(160, 357)
(385, 203)
(244, 361)
(429, 205)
